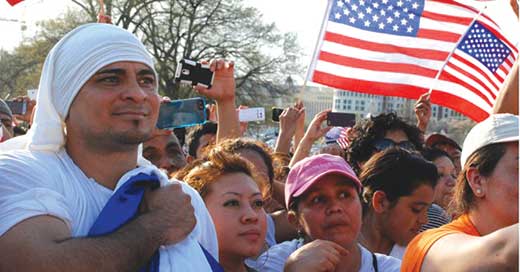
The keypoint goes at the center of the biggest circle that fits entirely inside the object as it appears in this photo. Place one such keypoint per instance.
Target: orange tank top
(419, 246)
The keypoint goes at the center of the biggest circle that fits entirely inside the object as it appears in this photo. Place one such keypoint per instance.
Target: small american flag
(342, 140)
(398, 48)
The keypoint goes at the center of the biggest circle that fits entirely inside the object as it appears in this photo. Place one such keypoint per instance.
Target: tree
(20, 69)
(206, 29)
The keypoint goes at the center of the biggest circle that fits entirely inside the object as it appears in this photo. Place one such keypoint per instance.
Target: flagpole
(436, 79)
(320, 36)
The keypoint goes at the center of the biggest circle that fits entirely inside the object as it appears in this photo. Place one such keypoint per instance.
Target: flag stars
(381, 26)
(409, 29)
(346, 12)
(397, 14)
(375, 18)
(368, 10)
(375, 5)
(362, 2)
(404, 22)
(395, 28)
(361, 15)
(339, 3)
(389, 20)
(354, 7)
(352, 20)
(337, 16)
(367, 23)
(415, 5)
(400, 3)
(384, 2)
(382, 12)
(390, 7)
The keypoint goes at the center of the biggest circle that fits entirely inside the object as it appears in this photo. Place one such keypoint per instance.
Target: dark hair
(432, 154)
(365, 133)
(206, 171)
(397, 172)
(180, 133)
(485, 160)
(241, 144)
(193, 137)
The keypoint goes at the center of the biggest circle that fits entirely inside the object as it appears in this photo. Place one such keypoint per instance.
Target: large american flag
(398, 47)
(13, 2)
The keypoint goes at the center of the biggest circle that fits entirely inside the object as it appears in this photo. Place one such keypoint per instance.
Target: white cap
(497, 128)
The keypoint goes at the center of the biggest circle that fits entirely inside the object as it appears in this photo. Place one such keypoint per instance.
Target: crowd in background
(393, 199)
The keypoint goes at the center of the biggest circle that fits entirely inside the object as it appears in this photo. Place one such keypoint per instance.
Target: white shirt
(47, 183)
(397, 251)
(273, 260)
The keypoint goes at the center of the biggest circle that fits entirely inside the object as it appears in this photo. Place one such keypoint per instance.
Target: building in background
(315, 99)
(363, 105)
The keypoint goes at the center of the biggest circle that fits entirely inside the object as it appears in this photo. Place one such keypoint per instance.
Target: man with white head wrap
(97, 101)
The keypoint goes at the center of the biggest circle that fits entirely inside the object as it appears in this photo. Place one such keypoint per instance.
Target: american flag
(13, 2)
(342, 140)
(398, 47)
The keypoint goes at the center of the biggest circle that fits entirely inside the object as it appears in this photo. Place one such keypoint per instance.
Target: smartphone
(276, 114)
(251, 114)
(194, 73)
(17, 107)
(341, 119)
(182, 113)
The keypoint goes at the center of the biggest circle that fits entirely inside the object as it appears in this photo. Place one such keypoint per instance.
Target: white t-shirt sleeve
(27, 193)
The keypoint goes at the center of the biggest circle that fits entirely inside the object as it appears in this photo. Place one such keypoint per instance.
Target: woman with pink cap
(322, 196)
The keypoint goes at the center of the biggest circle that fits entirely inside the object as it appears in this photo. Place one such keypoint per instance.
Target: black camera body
(194, 73)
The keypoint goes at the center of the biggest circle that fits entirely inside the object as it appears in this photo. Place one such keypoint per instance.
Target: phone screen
(182, 113)
(341, 119)
(17, 107)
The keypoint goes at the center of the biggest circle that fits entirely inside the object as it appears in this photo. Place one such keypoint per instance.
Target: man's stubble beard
(109, 139)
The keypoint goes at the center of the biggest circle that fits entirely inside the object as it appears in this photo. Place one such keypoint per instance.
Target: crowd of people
(93, 185)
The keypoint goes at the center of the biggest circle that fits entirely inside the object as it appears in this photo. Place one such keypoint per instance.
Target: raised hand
(223, 88)
(315, 129)
(423, 111)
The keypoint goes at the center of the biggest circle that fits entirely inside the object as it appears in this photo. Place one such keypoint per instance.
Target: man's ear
(476, 181)
(293, 219)
(379, 202)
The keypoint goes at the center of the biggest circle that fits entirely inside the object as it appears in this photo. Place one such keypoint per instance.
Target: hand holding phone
(17, 107)
(341, 119)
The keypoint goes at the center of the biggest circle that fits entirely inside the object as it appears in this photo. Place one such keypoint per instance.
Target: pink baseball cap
(309, 170)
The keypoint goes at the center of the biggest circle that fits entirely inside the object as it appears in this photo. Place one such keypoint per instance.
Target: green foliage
(20, 69)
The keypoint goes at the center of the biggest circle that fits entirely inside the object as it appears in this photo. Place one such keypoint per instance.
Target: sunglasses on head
(385, 143)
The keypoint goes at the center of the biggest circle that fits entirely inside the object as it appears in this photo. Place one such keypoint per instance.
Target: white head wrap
(70, 63)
